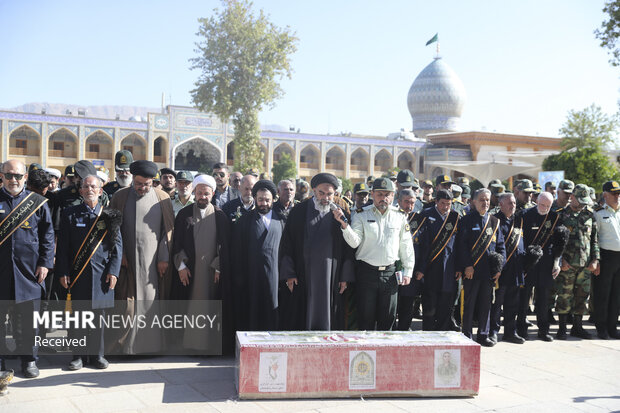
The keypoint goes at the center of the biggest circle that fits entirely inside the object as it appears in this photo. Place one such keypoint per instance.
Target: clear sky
(524, 63)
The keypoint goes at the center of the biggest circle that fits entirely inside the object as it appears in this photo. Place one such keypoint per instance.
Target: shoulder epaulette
(358, 210)
(597, 208)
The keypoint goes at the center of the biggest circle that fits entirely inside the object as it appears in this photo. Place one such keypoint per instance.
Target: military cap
(184, 176)
(254, 172)
(122, 160)
(456, 189)
(466, 193)
(582, 194)
(550, 184)
(325, 178)
(516, 182)
(526, 186)
(383, 184)
(611, 186)
(443, 194)
(416, 183)
(426, 183)
(167, 171)
(84, 168)
(394, 175)
(405, 178)
(497, 189)
(70, 170)
(566, 186)
(496, 182)
(53, 172)
(302, 186)
(264, 175)
(157, 178)
(144, 168)
(537, 188)
(34, 167)
(361, 188)
(370, 179)
(264, 184)
(443, 179)
(462, 181)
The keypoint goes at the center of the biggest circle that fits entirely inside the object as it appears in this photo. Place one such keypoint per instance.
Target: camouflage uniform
(573, 285)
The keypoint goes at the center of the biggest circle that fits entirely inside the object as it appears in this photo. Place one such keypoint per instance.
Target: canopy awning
(485, 171)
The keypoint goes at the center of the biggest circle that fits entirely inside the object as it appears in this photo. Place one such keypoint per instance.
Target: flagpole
(437, 48)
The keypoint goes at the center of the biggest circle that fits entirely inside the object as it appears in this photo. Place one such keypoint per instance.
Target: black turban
(146, 169)
(264, 184)
(84, 168)
(324, 178)
(167, 171)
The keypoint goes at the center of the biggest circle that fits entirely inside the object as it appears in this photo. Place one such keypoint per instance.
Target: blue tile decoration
(51, 128)
(125, 133)
(73, 120)
(90, 131)
(17, 125)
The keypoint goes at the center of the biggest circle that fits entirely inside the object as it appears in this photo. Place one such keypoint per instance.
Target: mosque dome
(436, 99)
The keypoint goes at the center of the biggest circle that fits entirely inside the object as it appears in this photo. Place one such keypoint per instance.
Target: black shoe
(602, 335)
(545, 337)
(493, 337)
(486, 342)
(100, 363)
(614, 334)
(75, 364)
(561, 334)
(513, 338)
(580, 333)
(523, 334)
(30, 369)
(453, 326)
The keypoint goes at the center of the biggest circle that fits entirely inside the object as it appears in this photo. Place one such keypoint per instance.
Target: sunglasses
(219, 174)
(9, 176)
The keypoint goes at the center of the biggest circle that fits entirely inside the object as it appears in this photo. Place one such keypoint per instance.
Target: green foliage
(609, 33)
(589, 127)
(589, 166)
(285, 168)
(241, 56)
(347, 185)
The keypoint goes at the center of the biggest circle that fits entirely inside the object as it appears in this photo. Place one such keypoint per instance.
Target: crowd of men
(304, 256)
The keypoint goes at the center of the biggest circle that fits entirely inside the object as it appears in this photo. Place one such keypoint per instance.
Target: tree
(242, 57)
(588, 128)
(584, 160)
(285, 168)
(347, 185)
(609, 33)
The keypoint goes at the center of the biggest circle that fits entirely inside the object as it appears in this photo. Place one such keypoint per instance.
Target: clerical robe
(256, 276)
(313, 250)
(147, 227)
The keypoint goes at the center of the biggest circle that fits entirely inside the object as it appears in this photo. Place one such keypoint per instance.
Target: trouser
(478, 296)
(94, 336)
(541, 295)
(606, 292)
(405, 312)
(506, 296)
(21, 317)
(377, 296)
(437, 309)
(573, 288)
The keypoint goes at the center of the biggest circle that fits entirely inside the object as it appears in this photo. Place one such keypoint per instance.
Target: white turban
(205, 180)
(103, 176)
(53, 172)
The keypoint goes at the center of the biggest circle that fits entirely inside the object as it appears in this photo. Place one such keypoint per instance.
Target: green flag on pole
(433, 40)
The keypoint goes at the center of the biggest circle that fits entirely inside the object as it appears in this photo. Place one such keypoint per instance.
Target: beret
(204, 179)
(324, 178)
(264, 184)
(143, 168)
(84, 168)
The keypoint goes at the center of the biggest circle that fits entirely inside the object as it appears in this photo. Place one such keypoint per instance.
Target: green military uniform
(565, 186)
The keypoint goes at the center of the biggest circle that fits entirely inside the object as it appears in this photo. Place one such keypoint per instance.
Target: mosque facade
(184, 138)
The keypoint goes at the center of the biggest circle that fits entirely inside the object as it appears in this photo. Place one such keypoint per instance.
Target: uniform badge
(449, 226)
(26, 225)
(383, 184)
(548, 224)
(414, 224)
(494, 239)
(73, 191)
(407, 227)
(123, 159)
(416, 240)
(517, 231)
(489, 231)
(101, 225)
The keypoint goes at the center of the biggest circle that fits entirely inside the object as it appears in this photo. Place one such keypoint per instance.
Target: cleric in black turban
(143, 168)
(324, 178)
(264, 184)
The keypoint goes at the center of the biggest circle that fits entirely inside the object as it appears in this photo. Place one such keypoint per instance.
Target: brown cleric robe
(147, 229)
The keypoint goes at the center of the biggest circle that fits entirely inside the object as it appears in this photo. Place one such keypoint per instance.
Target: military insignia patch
(101, 225)
(26, 225)
(449, 226)
(548, 224)
(414, 224)
(494, 239)
(123, 159)
(383, 184)
(73, 191)
(489, 231)
(407, 227)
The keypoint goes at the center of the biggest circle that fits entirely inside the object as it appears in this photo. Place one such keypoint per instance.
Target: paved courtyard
(571, 376)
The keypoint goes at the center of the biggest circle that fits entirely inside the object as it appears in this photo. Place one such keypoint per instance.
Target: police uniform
(573, 284)
(122, 160)
(606, 285)
(381, 240)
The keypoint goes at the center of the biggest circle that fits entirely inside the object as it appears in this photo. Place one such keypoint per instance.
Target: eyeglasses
(9, 176)
(219, 174)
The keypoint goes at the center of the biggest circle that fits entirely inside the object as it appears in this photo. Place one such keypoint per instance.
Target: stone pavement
(570, 376)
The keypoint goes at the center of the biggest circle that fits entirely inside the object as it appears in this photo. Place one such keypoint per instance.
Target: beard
(123, 181)
(320, 207)
(202, 203)
(263, 209)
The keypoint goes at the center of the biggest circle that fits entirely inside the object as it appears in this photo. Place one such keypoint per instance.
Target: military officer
(524, 195)
(184, 195)
(581, 254)
(404, 179)
(551, 188)
(427, 191)
(496, 191)
(606, 281)
(123, 176)
(565, 188)
(381, 235)
(69, 177)
(361, 193)
(26, 254)
(481, 252)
